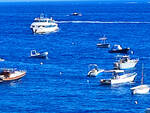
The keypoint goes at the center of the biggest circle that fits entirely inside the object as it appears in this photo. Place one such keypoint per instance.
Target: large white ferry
(44, 25)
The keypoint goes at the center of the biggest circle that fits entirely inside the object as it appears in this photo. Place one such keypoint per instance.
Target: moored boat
(118, 79)
(125, 62)
(94, 71)
(141, 89)
(118, 49)
(11, 74)
(36, 54)
(103, 43)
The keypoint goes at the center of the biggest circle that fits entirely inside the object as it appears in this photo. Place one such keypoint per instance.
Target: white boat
(125, 62)
(141, 89)
(103, 43)
(76, 14)
(44, 25)
(11, 74)
(1, 59)
(95, 71)
(34, 53)
(118, 79)
(147, 110)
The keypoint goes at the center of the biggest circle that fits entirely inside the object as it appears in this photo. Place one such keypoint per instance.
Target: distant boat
(125, 62)
(36, 54)
(1, 59)
(94, 71)
(118, 49)
(76, 14)
(141, 89)
(118, 79)
(103, 43)
(44, 25)
(11, 74)
(147, 110)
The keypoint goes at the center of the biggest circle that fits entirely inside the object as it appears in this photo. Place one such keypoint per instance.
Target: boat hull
(128, 65)
(120, 79)
(14, 76)
(103, 45)
(119, 51)
(43, 30)
(141, 89)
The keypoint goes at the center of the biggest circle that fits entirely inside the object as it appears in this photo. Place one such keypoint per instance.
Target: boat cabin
(117, 47)
(124, 59)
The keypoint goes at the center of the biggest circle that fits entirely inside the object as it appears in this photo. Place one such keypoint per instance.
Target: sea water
(61, 83)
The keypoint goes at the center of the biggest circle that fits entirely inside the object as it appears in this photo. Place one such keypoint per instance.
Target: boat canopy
(104, 38)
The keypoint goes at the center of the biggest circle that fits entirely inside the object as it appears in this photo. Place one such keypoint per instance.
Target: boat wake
(103, 22)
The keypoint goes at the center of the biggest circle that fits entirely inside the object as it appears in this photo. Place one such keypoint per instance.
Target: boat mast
(142, 75)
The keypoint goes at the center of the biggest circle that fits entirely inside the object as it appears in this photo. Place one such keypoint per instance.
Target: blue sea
(61, 83)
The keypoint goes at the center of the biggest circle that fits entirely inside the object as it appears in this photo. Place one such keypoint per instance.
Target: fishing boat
(103, 43)
(118, 79)
(36, 54)
(118, 49)
(94, 70)
(125, 62)
(43, 25)
(11, 74)
(141, 89)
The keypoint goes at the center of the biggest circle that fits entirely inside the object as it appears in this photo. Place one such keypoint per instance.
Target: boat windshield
(50, 26)
(40, 20)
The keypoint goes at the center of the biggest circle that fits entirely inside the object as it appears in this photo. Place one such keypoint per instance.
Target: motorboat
(125, 62)
(36, 54)
(11, 74)
(118, 79)
(76, 14)
(118, 49)
(103, 43)
(44, 25)
(141, 89)
(94, 70)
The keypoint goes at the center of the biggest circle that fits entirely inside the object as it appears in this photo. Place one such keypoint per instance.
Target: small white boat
(103, 43)
(147, 110)
(95, 71)
(76, 14)
(125, 62)
(43, 25)
(34, 53)
(141, 89)
(1, 59)
(118, 79)
(11, 74)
